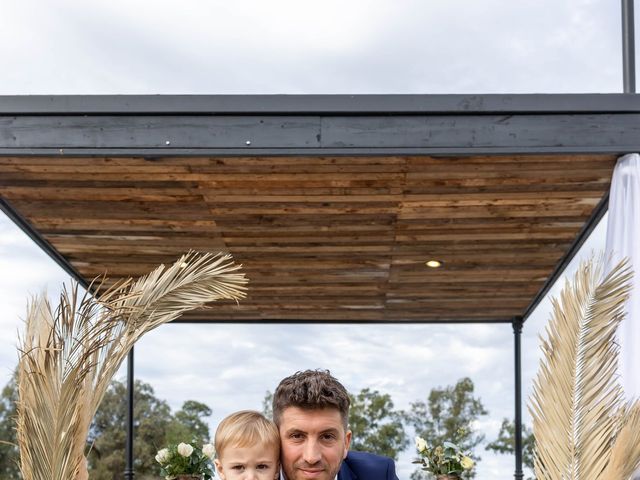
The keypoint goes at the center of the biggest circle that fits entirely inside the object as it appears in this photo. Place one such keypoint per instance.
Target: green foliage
(445, 459)
(376, 426)
(505, 443)
(107, 436)
(153, 422)
(189, 423)
(9, 457)
(267, 405)
(182, 458)
(155, 426)
(448, 415)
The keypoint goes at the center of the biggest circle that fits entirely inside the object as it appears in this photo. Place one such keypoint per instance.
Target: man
(311, 410)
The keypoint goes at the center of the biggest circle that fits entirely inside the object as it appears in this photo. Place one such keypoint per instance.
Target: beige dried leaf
(576, 395)
(625, 453)
(68, 357)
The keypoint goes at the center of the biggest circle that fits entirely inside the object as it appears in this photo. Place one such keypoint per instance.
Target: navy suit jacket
(367, 466)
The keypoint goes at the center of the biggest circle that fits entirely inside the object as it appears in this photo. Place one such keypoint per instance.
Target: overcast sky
(215, 47)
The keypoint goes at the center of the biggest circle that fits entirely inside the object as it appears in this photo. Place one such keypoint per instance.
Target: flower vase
(188, 476)
(447, 477)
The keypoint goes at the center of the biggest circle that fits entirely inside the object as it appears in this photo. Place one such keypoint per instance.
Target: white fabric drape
(623, 240)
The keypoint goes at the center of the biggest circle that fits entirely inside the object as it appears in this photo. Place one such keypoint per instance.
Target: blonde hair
(244, 429)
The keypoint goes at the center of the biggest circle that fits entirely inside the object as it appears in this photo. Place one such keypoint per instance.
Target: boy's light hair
(246, 429)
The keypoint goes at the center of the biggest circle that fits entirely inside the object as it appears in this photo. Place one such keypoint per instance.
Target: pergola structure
(333, 204)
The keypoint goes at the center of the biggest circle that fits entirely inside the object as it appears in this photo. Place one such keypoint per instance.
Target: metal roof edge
(401, 104)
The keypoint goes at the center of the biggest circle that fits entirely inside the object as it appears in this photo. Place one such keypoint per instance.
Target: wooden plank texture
(322, 238)
(298, 134)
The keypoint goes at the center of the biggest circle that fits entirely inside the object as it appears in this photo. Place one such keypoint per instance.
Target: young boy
(247, 447)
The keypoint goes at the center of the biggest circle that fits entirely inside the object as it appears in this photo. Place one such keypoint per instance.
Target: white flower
(421, 444)
(466, 463)
(209, 450)
(185, 449)
(162, 456)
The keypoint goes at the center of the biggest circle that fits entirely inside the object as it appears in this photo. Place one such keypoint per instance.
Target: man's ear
(218, 465)
(347, 443)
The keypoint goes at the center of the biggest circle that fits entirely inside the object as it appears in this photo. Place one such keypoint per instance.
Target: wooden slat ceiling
(323, 238)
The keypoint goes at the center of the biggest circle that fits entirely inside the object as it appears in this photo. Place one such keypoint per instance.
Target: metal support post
(517, 334)
(128, 472)
(628, 48)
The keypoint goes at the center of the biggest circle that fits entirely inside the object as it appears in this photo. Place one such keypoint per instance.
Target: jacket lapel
(346, 473)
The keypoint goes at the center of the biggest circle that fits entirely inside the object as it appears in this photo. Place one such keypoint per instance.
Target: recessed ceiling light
(433, 263)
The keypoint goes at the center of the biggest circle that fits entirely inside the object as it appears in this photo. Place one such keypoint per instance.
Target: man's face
(314, 443)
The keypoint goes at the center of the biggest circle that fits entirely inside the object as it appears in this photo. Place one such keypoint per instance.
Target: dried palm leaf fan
(69, 356)
(583, 428)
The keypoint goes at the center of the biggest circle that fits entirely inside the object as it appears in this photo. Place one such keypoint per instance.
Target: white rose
(421, 444)
(162, 456)
(209, 450)
(466, 463)
(185, 449)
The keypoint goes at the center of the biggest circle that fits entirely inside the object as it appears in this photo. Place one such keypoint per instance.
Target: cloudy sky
(215, 47)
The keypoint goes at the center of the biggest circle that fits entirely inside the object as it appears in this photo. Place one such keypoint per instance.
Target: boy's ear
(218, 465)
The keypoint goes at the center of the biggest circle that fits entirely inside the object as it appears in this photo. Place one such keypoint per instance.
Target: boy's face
(258, 462)
(313, 442)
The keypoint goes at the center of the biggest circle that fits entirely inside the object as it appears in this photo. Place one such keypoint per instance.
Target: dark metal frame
(44, 245)
(587, 113)
(129, 472)
(628, 48)
(153, 126)
(395, 104)
(582, 237)
(517, 352)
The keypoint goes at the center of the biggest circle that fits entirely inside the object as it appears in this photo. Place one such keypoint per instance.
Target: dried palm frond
(68, 357)
(625, 454)
(578, 405)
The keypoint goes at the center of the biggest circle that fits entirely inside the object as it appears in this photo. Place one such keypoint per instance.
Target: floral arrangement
(447, 460)
(185, 459)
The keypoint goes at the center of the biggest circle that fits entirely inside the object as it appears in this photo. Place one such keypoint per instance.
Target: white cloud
(25, 271)
(407, 46)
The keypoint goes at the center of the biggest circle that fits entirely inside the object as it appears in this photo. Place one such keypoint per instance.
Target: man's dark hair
(311, 390)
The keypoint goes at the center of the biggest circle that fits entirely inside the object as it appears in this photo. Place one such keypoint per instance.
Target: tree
(505, 443)
(9, 455)
(448, 415)
(376, 426)
(189, 424)
(107, 436)
(267, 405)
(154, 428)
